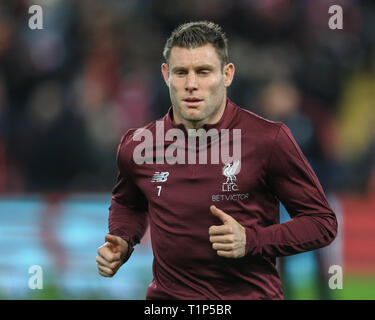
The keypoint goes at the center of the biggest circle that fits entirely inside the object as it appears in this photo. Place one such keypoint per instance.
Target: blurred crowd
(69, 91)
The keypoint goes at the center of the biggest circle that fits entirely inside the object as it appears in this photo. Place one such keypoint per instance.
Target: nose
(191, 82)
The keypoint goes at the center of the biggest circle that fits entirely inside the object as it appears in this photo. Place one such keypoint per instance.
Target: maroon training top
(175, 199)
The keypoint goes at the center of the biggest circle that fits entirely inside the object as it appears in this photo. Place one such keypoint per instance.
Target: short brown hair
(197, 34)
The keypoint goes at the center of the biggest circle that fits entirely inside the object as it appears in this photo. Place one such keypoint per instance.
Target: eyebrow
(203, 66)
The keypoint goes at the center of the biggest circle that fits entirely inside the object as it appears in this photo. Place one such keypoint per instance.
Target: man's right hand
(111, 255)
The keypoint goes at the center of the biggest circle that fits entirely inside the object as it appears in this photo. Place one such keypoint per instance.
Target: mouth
(192, 101)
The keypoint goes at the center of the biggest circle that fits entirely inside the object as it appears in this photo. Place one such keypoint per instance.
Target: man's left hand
(229, 239)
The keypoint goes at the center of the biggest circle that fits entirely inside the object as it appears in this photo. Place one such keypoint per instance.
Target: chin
(193, 116)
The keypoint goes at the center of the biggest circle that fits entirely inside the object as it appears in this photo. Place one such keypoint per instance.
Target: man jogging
(214, 219)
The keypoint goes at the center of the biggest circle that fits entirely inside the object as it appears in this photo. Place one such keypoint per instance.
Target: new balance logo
(160, 177)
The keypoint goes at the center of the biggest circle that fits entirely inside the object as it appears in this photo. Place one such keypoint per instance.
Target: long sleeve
(128, 210)
(293, 182)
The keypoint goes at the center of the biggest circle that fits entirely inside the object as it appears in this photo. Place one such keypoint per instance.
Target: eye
(180, 72)
(203, 72)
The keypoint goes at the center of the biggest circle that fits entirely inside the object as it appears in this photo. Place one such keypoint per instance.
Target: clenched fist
(111, 255)
(229, 239)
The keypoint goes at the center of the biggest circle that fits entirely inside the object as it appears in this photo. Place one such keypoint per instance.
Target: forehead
(194, 56)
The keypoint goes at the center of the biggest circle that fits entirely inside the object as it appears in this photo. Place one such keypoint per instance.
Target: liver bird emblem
(229, 171)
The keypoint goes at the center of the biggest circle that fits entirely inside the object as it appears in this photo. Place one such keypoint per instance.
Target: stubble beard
(206, 114)
(196, 121)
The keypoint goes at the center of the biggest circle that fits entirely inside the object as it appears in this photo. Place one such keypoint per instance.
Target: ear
(165, 72)
(228, 74)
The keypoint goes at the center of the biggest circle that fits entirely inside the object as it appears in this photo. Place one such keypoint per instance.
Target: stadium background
(69, 91)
